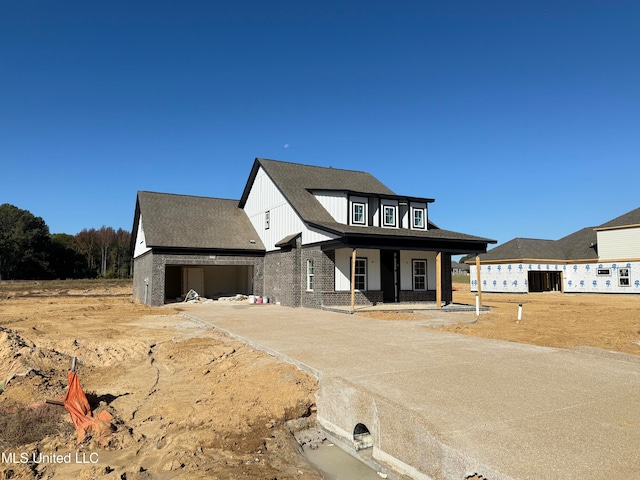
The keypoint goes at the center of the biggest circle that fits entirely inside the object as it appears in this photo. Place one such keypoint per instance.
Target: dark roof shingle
(580, 245)
(297, 182)
(185, 221)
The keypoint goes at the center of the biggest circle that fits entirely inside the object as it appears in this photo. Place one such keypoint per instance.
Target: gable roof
(184, 221)
(629, 218)
(580, 245)
(297, 182)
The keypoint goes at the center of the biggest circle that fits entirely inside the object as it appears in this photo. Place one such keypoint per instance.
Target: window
(267, 219)
(309, 275)
(357, 214)
(389, 216)
(360, 276)
(418, 218)
(420, 275)
(623, 276)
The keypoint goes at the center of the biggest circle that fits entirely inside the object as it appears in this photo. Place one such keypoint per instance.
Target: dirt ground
(187, 402)
(190, 403)
(552, 319)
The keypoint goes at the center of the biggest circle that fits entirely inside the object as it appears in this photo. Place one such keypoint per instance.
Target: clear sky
(519, 118)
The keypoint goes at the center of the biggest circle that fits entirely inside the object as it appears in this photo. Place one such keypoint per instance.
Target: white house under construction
(603, 259)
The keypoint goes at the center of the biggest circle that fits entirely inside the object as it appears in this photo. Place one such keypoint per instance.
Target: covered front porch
(368, 277)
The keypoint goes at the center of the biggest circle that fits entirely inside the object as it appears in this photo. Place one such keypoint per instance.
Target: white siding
(265, 196)
(375, 213)
(363, 200)
(619, 243)
(404, 213)
(343, 268)
(406, 268)
(392, 203)
(141, 242)
(418, 206)
(335, 203)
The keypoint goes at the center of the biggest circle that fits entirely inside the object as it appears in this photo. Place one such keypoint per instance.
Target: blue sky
(519, 118)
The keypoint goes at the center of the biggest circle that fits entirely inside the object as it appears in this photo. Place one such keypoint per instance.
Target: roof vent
(252, 241)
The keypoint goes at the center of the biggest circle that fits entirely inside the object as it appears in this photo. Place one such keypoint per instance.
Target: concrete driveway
(446, 406)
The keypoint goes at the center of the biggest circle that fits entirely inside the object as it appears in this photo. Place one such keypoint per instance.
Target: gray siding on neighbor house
(152, 266)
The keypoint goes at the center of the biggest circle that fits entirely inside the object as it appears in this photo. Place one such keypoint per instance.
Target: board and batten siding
(283, 220)
(335, 203)
(141, 242)
(619, 243)
(343, 268)
(406, 268)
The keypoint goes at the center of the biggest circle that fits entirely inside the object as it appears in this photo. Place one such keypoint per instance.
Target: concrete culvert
(362, 437)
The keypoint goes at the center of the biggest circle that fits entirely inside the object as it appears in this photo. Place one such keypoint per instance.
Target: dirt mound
(186, 401)
(20, 357)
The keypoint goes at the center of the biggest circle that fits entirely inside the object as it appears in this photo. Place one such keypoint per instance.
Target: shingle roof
(520, 248)
(185, 221)
(297, 182)
(629, 218)
(578, 245)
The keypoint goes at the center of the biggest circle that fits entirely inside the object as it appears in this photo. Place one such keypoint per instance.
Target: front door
(389, 275)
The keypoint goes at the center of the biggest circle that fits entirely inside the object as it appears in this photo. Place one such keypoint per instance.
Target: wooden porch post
(439, 280)
(478, 278)
(353, 280)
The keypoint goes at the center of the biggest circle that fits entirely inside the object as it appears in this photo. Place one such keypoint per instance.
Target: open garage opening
(210, 281)
(545, 281)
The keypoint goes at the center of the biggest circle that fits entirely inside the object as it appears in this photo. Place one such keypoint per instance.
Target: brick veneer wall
(142, 269)
(324, 273)
(282, 273)
(153, 266)
(411, 296)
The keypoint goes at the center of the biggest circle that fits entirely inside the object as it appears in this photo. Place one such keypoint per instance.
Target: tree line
(29, 252)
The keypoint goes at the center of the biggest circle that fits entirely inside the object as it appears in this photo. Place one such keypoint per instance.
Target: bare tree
(106, 239)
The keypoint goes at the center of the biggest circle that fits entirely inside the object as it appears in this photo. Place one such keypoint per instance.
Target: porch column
(439, 280)
(353, 280)
(478, 278)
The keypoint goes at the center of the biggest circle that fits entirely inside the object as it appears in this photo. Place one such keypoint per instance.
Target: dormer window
(418, 218)
(358, 213)
(389, 216)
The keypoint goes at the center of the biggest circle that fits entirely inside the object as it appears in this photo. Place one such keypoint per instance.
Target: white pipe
(519, 312)
(477, 305)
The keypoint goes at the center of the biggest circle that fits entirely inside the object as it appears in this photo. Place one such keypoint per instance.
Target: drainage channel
(336, 464)
(337, 459)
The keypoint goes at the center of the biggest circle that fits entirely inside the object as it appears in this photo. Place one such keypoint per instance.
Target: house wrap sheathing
(603, 259)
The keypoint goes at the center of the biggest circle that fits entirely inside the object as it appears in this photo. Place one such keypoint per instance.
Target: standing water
(336, 464)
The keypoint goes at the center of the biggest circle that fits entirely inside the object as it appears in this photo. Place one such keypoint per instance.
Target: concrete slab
(446, 406)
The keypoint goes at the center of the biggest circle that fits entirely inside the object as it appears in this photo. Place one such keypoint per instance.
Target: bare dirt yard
(190, 403)
(186, 401)
(551, 319)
